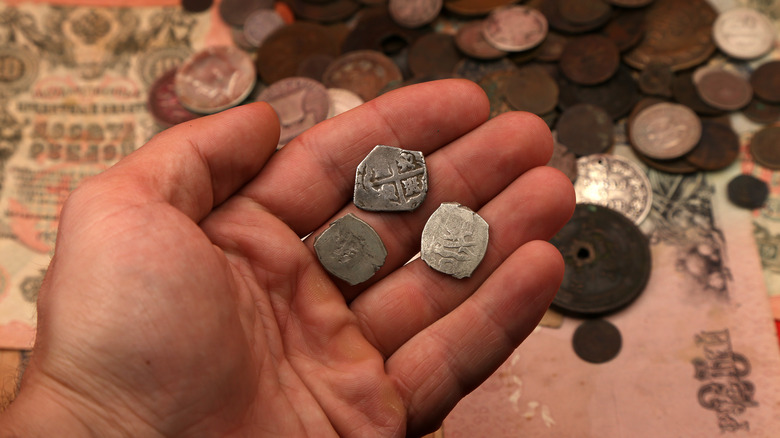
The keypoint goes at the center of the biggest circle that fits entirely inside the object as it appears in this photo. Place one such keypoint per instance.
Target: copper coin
(163, 103)
(744, 33)
(583, 12)
(364, 72)
(589, 60)
(495, 85)
(259, 24)
(475, 70)
(196, 5)
(678, 33)
(314, 66)
(597, 341)
(234, 12)
(723, 89)
(552, 47)
(717, 148)
(665, 131)
(551, 11)
(414, 13)
(626, 29)
(656, 79)
(283, 50)
(471, 42)
(470, 8)
(376, 30)
(762, 112)
(532, 89)
(300, 104)
(684, 91)
(585, 129)
(564, 160)
(515, 28)
(616, 96)
(766, 81)
(325, 12)
(765, 147)
(433, 53)
(214, 79)
(747, 191)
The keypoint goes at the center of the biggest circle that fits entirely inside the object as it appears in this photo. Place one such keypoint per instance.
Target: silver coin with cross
(391, 179)
(454, 240)
(350, 249)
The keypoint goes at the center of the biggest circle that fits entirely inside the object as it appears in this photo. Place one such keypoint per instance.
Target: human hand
(181, 300)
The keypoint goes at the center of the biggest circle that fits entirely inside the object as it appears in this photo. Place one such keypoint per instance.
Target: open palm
(184, 297)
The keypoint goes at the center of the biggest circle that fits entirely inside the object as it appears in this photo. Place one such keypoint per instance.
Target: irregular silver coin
(391, 179)
(350, 249)
(454, 240)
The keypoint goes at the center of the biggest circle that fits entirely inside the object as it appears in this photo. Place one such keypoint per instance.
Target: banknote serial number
(81, 142)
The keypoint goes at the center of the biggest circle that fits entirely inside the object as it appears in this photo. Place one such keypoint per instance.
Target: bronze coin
(552, 47)
(314, 66)
(433, 53)
(583, 12)
(656, 79)
(585, 129)
(281, 53)
(747, 191)
(472, 8)
(680, 34)
(300, 104)
(616, 96)
(766, 82)
(364, 72)
(495, 86)
(163, 103)
(471, 42)
(717, 148)
(551, 11)
(475, 70)
(684, 91)
(765, 147)
(762, 112)
(532, 89)
(626, 29)
(325, 12)
(196, 5)
(597, 341)
(589, 60)
(234, 12)
(723, 89)
(214, 79)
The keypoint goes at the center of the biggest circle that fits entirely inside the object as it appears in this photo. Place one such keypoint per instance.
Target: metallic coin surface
(744, 33)
(234, 12)
(476, 71)
(747, 191)
(495, 86)
(552, 47)
(341, 101)
(723, 89)
(626, 29)
(284, 49)
(364, 72)
(589, 60)
(614, 182)
(762, 112)
(214, 79)
(300, 104)
(454, 240)
(350, 249)
(391, 179)
(583, 11)
(717, 148)
(616, 96)
(665, 131)
(656, 79)
(414, 13)
(472, 42)
(677, 33)
(597, 341)
(607, 259)
(766, 81)
(163, 103)
(551, 10)
(515, 28)
(433, 53)
(532, 89)
(259, 24)
(564, 160)
(630, 3)
(585, 129)
(684, 91)
(764, 147)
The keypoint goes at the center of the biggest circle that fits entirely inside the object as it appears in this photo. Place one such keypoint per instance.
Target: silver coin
(744, 33)
(342, 100)
(616, 183)
(300, 104)
(514, 28)
(391, 179)
(665, 130)
(454, 240)
(350, 249)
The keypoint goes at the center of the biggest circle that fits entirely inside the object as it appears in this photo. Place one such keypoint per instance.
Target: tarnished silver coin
(614, 182)
(300, 104)
(515, 28)
(350, 249)
(391, 179)
(342, 100)
(744, 33)
(454, 240)
(665, 130)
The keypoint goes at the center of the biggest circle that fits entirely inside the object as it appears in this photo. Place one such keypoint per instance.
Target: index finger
(311, 178)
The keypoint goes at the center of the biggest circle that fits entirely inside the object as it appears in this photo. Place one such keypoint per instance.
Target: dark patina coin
(684, 91)
(616, 96)
(391, 179)
(350, 249)
(607, 260)
(747, 191)
(196, 5)
(532, 89)
(589, 60)
(433, 53)
(718, 147)
(764, 147)
(762, 112)
(766, 81)
(656, 79)
(597, 341)
(585, 129)
(282, 51)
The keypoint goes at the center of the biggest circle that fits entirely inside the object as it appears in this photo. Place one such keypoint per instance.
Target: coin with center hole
(597, 341)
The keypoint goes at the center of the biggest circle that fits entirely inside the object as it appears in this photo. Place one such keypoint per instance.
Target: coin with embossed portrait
(665, 130)
(214, 79)
(300, 104)
(515, 28)
(454, 240)
(414, 13)
(614, 182)
(744, 33)
(350, 249)
(391, 179)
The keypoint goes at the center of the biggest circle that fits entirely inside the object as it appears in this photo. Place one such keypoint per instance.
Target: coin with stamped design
(391, 179)
(665, 130)
(614, 182)
(515, 28)
(350, 249)
(744, 33)
(454, 240)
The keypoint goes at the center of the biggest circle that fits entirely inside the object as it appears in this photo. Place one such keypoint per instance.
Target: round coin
(515, 28)
(583, 12)
(364, 72)
(717, 148)
(764, 147)
(684, 91)
(766, 81)
(300, 104)
(665, 131)
(472, 42)
(585, 129)
(607, 261)
(283, 50)
(627, 29)
(214, 79)
(454, 240)
(259, 24)
(597, 341)
(723, 89)
(656, 79)
(531, 89)
(614, 182)
(616, 96)
(234, 12)
(744, 33)
(762, 112)
(747, 191)
(433, 53)
(341, 101)
(350, 249)
(163, 103)
(589, 60)
(414, 13)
